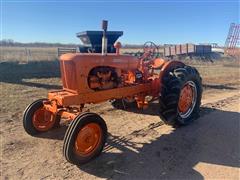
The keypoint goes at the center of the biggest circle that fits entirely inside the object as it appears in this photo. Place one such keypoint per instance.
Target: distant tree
(7, 42)
(10, 42)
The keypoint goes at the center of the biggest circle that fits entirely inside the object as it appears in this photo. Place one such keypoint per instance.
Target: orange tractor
(100, 73)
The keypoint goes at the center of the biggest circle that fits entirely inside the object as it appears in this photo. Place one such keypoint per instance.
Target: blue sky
(158, 21)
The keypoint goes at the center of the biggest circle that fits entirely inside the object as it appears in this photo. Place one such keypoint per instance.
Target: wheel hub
(88, 139)
(187, 99)
(43, 120)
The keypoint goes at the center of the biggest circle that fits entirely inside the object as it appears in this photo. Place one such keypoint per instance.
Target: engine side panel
(75, 76)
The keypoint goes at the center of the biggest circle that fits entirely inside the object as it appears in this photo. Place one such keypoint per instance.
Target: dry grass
(22, 83)
(23, 54)
(224, 71)
(219, 74)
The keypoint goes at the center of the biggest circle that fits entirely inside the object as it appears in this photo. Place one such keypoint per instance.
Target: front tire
(181, 95)
(36, 119)
(84, 138)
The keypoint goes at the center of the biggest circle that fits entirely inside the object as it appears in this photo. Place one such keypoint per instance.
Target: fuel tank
(75, 68)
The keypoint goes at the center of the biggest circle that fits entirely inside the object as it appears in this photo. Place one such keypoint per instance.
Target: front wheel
(84, 138)
(37, 119)
(181, 96)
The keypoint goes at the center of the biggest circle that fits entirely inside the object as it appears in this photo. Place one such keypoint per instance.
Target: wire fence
(22, 54)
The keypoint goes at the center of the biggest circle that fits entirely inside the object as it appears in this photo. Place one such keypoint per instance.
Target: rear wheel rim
(187, 99)
(88, 139)
(43, 120)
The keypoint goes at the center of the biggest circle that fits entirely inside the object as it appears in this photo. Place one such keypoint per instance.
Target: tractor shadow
(15, 73)
(57, 133)
(212, 139)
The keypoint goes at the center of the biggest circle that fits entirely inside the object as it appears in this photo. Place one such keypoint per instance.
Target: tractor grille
(68, 75)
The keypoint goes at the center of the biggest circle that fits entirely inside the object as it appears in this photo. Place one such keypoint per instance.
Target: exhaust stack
(104, 38)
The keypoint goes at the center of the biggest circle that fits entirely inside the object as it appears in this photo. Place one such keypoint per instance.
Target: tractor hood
(75, 67)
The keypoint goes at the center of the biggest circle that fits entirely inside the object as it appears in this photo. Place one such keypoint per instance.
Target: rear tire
(177, 106)
(85, 138)
(29, 122)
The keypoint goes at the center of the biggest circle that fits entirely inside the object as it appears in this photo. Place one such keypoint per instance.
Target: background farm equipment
(187, 49)
(100, 73)
(92, 41)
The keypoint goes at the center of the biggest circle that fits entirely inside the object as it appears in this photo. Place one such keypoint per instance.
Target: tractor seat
(158, 63)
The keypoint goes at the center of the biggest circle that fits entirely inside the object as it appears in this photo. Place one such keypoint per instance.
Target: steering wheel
(150, 50)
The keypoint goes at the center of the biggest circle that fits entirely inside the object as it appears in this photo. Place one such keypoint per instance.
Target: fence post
(27, 54)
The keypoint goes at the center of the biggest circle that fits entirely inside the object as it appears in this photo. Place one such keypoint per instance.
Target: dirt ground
(139, 146)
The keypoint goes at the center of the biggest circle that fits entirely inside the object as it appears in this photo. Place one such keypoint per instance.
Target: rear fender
(166, 68)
